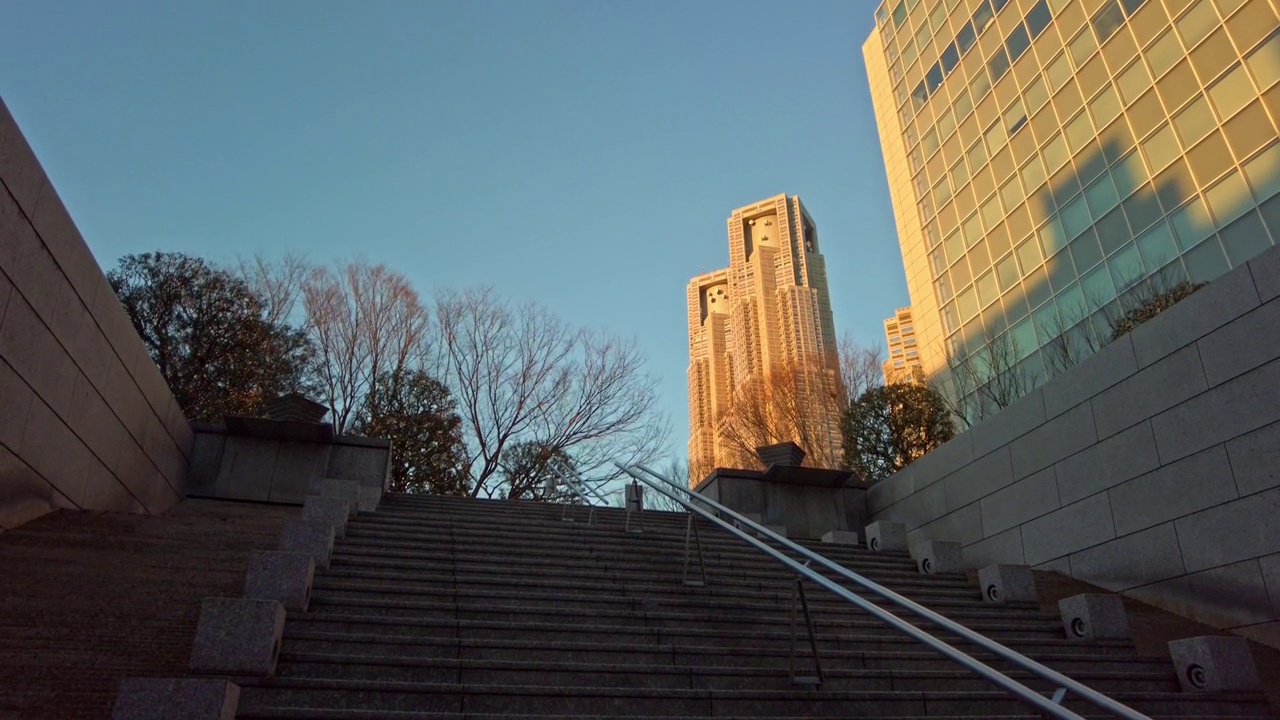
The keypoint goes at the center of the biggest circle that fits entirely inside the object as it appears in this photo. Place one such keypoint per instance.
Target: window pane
(1055, 153)
(1265, 62)
(1195, 122)
(982, 17)
(1126, 267)
(1032, 174)
(1075, 217)
(1079, 132)
(1011, 193)
(1129, 174)
(1082, 47)
(1101, 196)
(1198, 23)
(1105, 107)
(998, 65)
(1086, 252)
(1015, 117)
(1157, 246)
(1035, 95)
(950, 57)
(933, 78)
(1161, 148)
(1244, 239)
(1017, 43)
(1206, 262)
(1229, 199)
(980, 86)
(1232, 92)
(965, 38)
(987, 291)
(1164, 53)
(1133, 82)
(1191, 224)
(1058, 72)
(1264, 173)
(1098, 287)
(1107, 21)
(1007, 273)
(1038, 19)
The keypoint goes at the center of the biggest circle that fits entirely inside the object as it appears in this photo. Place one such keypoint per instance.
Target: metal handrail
(996, 677)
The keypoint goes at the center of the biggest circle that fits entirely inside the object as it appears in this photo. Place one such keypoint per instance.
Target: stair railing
(1050, 706)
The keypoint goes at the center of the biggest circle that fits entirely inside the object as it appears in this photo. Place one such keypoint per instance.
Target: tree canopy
(206, 331)
(887, 428)
(417, 414)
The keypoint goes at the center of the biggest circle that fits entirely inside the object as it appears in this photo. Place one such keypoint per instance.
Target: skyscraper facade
(903, 363)
(1050, 161)
(763, 363)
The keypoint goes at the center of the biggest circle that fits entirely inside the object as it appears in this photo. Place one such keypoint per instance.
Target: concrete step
(630, 615)
(647, 649)
(743, 634)
(594, 702)
(490, 672)
(511, 568)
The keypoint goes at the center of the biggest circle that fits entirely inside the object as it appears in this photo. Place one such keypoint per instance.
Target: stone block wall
(86, 420)
(1152, 468)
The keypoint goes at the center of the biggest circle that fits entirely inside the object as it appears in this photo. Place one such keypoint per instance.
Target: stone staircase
(447, 608)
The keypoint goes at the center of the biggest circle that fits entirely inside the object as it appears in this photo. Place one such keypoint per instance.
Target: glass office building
(1050, 159)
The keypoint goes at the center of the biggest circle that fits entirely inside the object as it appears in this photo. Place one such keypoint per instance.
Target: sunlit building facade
(903, 363)
(1048, 159)
(769, 312)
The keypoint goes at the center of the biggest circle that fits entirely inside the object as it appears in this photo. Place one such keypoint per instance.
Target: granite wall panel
(86, 421)
(1153, 469)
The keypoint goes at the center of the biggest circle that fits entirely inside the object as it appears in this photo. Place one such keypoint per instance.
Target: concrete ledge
(237, 636)
(165, 699)
(311, 537)
(285, 577)
(841, 537)
(348, 490)
(1092, 617)
(884, 536)
(1007, 583)
(1212, 663)
(938, 556)
(332, 510)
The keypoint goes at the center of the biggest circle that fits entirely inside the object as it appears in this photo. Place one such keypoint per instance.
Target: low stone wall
(86, 420)
(1152, 468)
(807, 509)
(263, 469)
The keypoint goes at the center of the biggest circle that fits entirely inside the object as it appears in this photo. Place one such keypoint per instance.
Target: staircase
(448, 608)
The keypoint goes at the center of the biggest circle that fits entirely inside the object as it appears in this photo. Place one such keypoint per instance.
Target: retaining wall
(86, 420)
(1151, 468)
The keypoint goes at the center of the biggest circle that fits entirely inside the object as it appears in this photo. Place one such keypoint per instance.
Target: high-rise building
(763, 364)
(903, 363)
(1052, 161)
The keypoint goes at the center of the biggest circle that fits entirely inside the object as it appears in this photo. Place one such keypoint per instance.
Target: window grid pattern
(1111, 148)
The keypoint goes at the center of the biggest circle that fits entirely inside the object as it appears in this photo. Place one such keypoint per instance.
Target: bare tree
(794, 401)
(520, 374)
(367, 322)
(986, 381)
(278, 283)
(861, 368)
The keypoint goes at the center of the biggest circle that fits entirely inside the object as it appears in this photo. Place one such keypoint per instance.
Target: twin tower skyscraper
(763, 360)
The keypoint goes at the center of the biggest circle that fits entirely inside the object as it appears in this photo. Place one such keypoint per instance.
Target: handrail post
(691, 528)
(815, 680)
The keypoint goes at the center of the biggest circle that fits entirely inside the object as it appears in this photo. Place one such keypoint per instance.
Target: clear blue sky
(585, 153)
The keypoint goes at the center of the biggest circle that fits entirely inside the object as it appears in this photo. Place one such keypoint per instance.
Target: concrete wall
(86, 420)
(807, 511)
(1152, 468)
(261, 469)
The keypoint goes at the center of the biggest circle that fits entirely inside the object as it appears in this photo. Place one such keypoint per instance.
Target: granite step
(373, 695)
